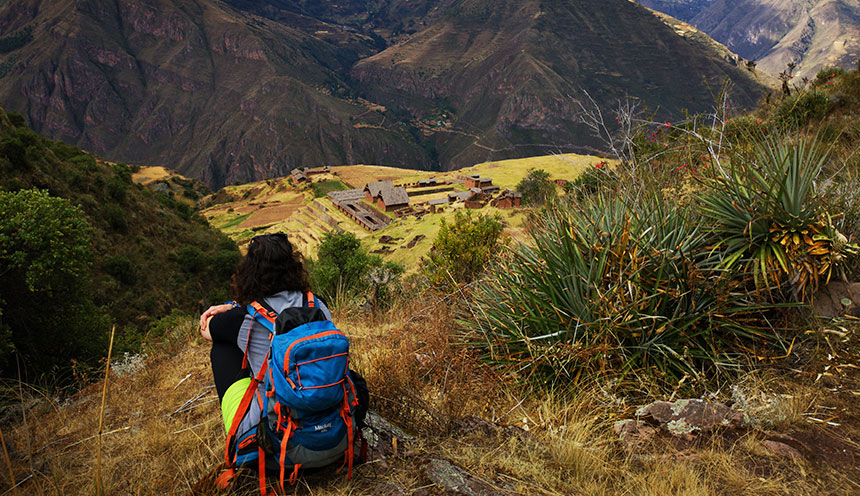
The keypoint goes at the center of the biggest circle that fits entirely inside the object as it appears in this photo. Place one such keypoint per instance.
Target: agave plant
(607, 284)
(766, 219)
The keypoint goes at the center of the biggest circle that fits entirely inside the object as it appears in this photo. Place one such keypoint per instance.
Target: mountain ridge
(811, 34)
(539, 96)
(224, 95)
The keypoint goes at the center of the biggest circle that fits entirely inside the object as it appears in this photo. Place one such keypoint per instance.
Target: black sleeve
(224, 327)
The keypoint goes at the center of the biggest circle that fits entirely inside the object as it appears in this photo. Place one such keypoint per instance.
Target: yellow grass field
(150, 174)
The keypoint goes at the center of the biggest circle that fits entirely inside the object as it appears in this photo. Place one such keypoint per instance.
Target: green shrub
(17, 119)
(116, 189)
(592, 180)
(800, 109)
(610, 285)
(120, 268)
(45, 246)
(115, 216)
(85, 161)
(462, 249)
(224, 262)
(536, 187)
(344, 270)
(64, 151)
(15, 151)
(191, 259)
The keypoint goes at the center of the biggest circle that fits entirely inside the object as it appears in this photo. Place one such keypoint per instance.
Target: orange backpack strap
(312, 302)
(241, 411)
(225, 479)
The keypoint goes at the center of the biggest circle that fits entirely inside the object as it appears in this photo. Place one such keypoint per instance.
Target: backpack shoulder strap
(263, 313)
(309, 300)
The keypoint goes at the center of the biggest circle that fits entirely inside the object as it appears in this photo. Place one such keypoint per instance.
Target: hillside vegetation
(686, 273)
(82, 248)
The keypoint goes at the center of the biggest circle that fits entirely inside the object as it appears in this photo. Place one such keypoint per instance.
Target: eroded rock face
(683, 418)
(837, 299)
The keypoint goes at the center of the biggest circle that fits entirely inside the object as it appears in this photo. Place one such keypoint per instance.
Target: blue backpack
(307, 414)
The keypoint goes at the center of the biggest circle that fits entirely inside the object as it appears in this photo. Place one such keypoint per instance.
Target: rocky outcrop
(683, 418)
(837, 299)
(812, 34)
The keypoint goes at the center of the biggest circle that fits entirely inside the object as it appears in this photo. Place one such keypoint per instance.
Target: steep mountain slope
(196, 86)
(494, 79)
(681, 9)
(147, 254)
(387, 19)
(240, 91)
(811, 33)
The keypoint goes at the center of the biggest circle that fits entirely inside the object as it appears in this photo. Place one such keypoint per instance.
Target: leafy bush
(344, 269)
(612, 285)
(85, 161)
(800, 109)
(116, 188)
(191, 259)
(115, 216)
(462, 249)
(17, 119)
(15, 151)
(45, 246)
(120, 268)
(592, 180)
(536, 187)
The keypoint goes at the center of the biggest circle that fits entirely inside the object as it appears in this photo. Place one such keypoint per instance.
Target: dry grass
(420, 379)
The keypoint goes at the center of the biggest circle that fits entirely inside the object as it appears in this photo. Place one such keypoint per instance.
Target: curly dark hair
(271, 266)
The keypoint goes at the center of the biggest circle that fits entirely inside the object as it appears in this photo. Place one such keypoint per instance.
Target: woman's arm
(212, 311)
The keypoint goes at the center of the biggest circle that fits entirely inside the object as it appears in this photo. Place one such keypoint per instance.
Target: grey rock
(683, 418)
(454, 480)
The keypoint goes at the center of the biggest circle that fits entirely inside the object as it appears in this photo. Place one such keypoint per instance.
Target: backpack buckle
(263, 438)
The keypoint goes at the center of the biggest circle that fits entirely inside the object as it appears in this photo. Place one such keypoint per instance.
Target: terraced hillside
(279, 205)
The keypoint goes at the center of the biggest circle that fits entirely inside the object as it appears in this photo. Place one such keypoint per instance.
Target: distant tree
(344, 269)
(45, 256)
(536, 187)
(462, 249)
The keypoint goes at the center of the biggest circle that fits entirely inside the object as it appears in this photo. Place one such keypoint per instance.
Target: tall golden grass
(162, 431)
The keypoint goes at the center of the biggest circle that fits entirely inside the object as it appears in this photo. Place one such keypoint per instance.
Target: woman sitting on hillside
(271, 272)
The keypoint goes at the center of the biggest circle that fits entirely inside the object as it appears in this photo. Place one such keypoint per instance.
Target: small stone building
(392, 198)
(386, 196)
(437, 205)
(508, 199)
(372, 190)
(298, 175)
(476, 181)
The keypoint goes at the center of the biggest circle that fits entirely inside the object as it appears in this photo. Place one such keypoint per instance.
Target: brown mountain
(241, 90)
(499, 79)
(199, 87)
(811, 33)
